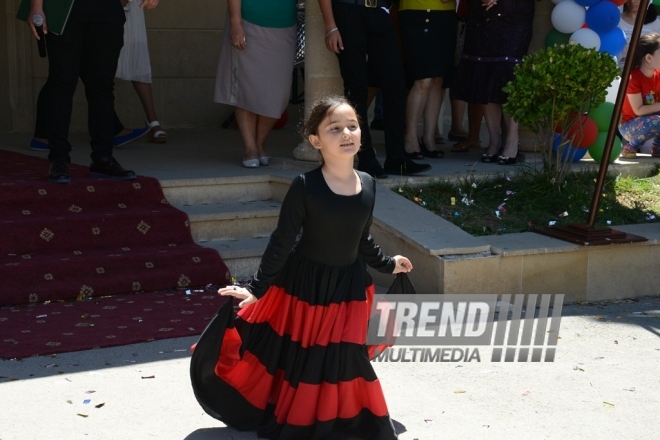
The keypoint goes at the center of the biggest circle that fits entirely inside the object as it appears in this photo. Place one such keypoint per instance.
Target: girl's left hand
(403, 265)
(240, 293)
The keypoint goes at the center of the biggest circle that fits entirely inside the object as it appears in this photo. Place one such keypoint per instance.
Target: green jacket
(57, 13)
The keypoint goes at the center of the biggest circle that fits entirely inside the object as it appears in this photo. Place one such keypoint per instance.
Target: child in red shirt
(640, 117)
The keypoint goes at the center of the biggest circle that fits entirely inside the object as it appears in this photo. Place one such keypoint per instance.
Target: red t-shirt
(639, 83)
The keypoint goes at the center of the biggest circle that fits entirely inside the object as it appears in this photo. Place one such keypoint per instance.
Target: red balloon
(583, 136)
(282, 121)
(618, 2)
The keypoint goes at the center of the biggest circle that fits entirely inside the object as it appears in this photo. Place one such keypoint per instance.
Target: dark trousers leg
(104, 38)
(56, 96)
(40, 128)
(370, 32)
(353, 67)
(383, 51)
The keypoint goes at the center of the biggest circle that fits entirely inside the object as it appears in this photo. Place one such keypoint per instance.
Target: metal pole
(618, 105)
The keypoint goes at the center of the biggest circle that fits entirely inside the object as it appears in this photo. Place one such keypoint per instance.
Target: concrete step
(224, 189)
(232, 220)
(242, 256)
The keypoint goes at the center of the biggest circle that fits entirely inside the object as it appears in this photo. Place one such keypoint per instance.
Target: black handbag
(401, 286)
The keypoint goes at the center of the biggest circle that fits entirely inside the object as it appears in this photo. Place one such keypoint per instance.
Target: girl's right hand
(333, 42)
(237, 37)
(240, 293)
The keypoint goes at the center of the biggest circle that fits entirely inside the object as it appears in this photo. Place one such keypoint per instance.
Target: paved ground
(604, 384)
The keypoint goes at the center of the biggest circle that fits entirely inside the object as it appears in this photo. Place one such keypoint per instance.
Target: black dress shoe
(59, 172)
(405, 167)
(373, 168)
(107, 167)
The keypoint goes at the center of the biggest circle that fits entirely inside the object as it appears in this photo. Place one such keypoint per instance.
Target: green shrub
(552, 88)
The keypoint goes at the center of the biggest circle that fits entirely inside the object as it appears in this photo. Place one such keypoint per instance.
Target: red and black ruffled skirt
(294, 365)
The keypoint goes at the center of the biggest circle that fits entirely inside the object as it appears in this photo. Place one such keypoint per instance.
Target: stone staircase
(236, 215)
(233, 215)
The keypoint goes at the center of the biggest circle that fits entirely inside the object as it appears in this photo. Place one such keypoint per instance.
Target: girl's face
(338, 133)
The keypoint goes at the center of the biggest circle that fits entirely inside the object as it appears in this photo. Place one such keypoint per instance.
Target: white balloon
(587, 38)
(567, 17)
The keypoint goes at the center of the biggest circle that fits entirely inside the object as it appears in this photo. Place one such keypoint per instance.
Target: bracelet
(331, 31)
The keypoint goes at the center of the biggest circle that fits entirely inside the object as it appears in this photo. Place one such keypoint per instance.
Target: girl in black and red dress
(294, 364)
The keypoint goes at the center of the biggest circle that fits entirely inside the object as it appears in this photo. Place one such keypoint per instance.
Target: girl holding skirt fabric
(294, 363)
(254, 73)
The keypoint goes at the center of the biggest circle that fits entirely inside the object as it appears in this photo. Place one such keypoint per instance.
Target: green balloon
(656, 2)
(602, 115)
(555, 37)
(596, 149)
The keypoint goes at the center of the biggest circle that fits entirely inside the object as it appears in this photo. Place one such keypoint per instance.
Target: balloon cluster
(589, 134)
(590, 23)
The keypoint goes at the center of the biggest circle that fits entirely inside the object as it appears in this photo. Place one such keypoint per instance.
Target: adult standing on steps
(87, 48)
(355, 30)
(254, 72)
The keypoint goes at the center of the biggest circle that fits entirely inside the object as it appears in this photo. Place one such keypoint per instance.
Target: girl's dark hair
(647, 44)
(651, 13)
(322, 108)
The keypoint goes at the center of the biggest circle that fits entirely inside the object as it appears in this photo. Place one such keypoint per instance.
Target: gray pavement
(603, 384)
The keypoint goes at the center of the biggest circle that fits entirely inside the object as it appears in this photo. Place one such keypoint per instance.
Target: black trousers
(41, 128)
(88, 49)
(369, 32)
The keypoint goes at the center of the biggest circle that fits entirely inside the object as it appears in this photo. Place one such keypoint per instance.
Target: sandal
(505, 160)
(415, 155)
(434, 154)
(492, 158)
(461, 147)
(155, 135)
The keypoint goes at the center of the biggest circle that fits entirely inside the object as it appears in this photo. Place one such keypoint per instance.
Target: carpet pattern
(65, 326)
(92, 237)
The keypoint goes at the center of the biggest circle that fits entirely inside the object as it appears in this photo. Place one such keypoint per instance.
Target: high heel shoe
(492, 158)
(505, 160)
(434, 154)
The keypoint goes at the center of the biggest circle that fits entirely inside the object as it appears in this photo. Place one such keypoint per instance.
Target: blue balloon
(603, 17)
(613, 41)
(568, 151)
(586, 2)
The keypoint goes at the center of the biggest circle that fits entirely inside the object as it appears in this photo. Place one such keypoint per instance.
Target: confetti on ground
(86, 402)
(453, 201)
(485, 426)
(608, 404)
(526, 393)
(41, 316)
(69, 402)
(90, 392)
(148, 377)
(100, 405)
(83, 415)
(459, 392)
(551, 223)
(564, 214)
(429, 421)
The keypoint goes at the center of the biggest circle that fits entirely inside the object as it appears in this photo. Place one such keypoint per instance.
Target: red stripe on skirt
(312, 325)
(306, 404)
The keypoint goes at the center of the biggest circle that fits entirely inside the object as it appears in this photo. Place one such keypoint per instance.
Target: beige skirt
(257, 79)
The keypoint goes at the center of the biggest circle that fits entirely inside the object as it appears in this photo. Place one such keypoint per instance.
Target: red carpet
(58, 327)
(92, 237)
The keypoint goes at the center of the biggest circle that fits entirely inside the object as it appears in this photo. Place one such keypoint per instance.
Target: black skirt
(429, 42)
